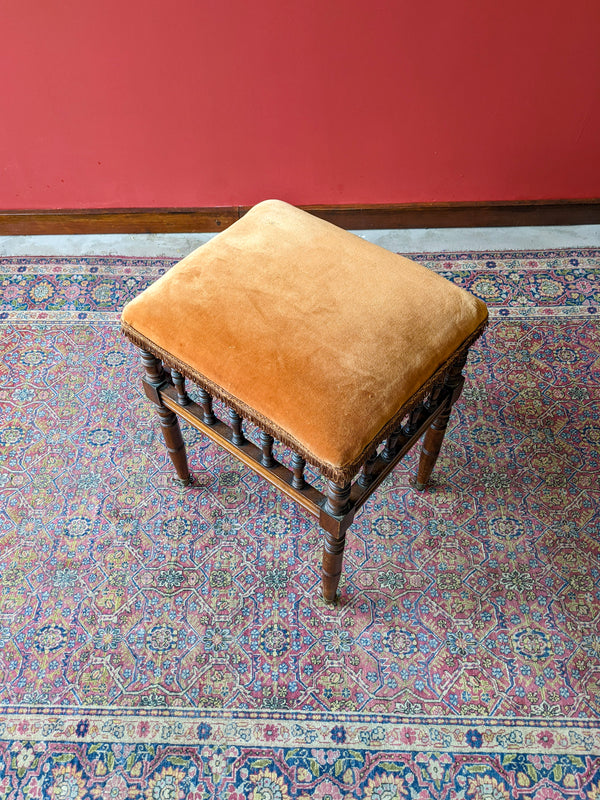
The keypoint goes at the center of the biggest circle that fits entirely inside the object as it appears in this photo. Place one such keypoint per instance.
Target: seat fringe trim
(341, 474)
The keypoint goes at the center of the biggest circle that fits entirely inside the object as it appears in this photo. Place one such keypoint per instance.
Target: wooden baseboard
(351, 217)
(117, 220)
(463, 215)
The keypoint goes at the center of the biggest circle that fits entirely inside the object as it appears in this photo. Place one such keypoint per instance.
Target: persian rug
(168, 643)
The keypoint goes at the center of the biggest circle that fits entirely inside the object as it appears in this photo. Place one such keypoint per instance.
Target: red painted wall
(123, 103)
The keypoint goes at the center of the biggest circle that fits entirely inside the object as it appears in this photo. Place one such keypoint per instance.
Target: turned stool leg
(434, 436)
(155, 377)
(337, 505)
(171, 432)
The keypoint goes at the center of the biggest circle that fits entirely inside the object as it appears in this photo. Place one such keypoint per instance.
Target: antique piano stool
(342, 351)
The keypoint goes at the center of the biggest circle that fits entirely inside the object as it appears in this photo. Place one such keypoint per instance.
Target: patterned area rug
(165, 643)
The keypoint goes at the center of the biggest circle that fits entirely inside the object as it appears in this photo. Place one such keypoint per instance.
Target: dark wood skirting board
(116, 220)
(463, 215)
(351, 217)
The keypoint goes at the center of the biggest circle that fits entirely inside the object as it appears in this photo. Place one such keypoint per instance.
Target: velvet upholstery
(307, 327)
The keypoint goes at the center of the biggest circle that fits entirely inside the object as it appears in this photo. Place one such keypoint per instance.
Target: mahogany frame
(336, 508)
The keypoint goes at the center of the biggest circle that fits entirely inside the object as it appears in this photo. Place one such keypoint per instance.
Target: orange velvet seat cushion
(306, 328)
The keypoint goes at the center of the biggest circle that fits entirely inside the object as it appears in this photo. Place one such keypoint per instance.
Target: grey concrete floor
(401, 241)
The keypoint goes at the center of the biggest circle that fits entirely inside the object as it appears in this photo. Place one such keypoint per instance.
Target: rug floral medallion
(168, 643)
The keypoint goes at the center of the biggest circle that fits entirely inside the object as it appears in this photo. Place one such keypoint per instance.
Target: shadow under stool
(342, 351)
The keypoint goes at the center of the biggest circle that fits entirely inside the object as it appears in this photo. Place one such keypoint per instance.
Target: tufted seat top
(321, 338)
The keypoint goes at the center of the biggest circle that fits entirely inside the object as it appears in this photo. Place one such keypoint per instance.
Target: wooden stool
(344, 352)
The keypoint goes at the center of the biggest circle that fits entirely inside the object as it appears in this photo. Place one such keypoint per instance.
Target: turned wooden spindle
(206, 402)
(153, 368)
(235, 422)
(432, 398)
(298, 464)
(365, 479)
(331, 570)
(154, 379)
(266, 445)
(412, 423)
(175, 445)
(337, 503)
(434, 437)
(183, 397)
(388, 449)
(392, 445)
